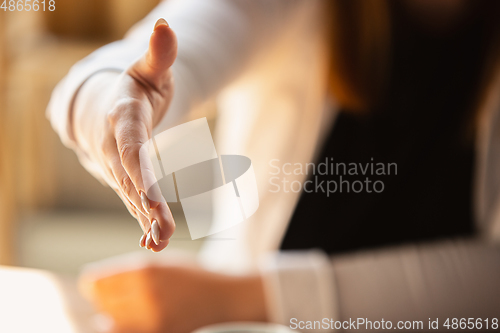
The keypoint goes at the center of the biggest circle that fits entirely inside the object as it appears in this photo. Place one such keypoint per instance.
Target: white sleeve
(452, 279)
(215, 40)
(299, 286)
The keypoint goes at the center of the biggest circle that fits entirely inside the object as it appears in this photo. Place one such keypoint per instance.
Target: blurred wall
(97, 19)
(6, 175)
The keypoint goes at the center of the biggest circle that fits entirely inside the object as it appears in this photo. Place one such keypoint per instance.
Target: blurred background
(53, 214)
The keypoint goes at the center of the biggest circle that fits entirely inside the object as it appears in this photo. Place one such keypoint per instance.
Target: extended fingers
(161, 229)
(121, 177)
(131, 124)
(166, 225)
(131, 165)
(123, 185)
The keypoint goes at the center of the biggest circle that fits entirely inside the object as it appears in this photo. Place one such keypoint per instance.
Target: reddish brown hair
(360, 38)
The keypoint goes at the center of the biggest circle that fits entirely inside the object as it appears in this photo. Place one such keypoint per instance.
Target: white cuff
(300, 286)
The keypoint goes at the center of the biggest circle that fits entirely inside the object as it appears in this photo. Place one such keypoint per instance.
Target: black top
(424, 128)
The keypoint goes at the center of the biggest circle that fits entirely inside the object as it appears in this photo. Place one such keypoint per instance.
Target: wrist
(91, 104)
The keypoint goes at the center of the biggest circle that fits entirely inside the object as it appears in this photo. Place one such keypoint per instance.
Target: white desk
(39, 301)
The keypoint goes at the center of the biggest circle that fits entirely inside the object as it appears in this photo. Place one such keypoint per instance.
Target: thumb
(153, 66)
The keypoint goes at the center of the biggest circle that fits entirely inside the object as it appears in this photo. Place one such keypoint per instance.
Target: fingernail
(148, 241)
(155, 232)
(141, 241)
(145, 202)
(160, 22)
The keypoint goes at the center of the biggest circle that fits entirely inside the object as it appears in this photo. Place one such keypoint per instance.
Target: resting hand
(113, 116)
(174, 298)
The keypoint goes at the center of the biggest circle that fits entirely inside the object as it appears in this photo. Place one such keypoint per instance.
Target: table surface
(39, 301)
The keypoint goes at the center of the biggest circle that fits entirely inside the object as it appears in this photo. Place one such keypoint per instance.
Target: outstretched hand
(114, 115)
